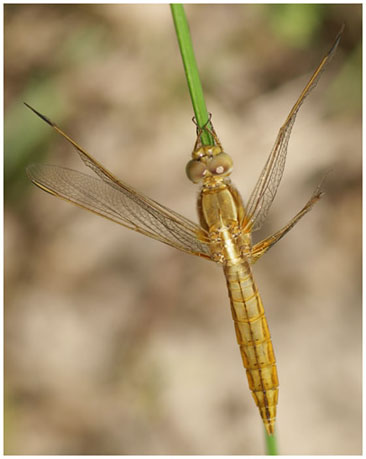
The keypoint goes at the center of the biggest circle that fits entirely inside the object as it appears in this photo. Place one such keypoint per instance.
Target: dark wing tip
(43, 117)
(337, 39)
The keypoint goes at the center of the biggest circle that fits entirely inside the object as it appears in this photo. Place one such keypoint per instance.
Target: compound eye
(195, 170)
(221, 164)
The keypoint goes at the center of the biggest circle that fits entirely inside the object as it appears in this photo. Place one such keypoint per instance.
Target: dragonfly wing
(118, 202)
(266, 187)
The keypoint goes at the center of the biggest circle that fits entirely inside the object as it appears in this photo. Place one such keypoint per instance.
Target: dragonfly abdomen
(254, 340)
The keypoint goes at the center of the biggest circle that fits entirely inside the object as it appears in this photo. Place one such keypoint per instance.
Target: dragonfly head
(209, 162)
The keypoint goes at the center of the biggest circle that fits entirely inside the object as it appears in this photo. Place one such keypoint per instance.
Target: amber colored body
(222, 214)
(224, 235)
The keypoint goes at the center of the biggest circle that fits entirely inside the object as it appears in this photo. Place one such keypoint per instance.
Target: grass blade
(190, 68)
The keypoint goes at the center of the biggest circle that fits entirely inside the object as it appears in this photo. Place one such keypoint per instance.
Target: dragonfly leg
(261, 247)
(208, 127)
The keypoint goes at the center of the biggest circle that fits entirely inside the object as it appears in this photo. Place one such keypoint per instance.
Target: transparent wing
(117, 201)
(121, 205)
(267, 185)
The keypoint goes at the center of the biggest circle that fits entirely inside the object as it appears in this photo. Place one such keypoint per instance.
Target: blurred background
(117, 344)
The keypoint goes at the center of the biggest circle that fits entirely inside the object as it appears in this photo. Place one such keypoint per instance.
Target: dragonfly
(223, 235)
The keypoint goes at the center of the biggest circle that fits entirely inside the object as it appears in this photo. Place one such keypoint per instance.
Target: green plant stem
(271, 445)
(191, 70)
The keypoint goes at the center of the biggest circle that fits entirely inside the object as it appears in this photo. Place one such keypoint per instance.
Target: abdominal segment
(254, 340)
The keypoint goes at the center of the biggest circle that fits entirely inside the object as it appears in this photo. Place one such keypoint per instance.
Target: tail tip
(270, 427)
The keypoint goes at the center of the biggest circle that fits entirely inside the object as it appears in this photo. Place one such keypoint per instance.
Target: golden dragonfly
(224, 234)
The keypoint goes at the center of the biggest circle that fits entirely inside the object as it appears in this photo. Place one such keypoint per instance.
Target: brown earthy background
(116, 344)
